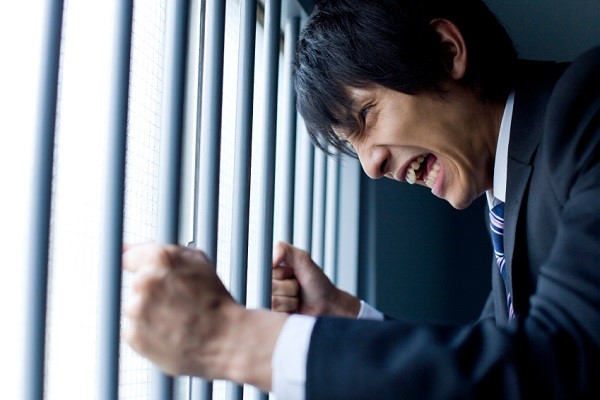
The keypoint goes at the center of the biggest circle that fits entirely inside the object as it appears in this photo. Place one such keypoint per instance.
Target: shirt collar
(501, 159)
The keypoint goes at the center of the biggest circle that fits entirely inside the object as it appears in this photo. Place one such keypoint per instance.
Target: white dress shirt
(291, 350)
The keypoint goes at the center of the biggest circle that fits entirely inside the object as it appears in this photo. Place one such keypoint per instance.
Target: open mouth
(423, 169)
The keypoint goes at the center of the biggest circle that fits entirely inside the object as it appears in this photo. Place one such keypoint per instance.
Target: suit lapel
(516, 185)
(533, 88)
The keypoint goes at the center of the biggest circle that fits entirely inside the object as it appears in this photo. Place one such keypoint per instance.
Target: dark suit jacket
(552, 246)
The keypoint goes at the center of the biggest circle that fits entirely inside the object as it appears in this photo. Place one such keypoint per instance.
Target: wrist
(253, 339)
(345, 305)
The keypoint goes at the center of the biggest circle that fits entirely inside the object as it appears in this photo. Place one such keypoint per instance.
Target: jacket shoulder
(572, 123)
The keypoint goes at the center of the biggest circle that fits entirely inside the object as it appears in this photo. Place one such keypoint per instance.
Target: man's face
(446, 143)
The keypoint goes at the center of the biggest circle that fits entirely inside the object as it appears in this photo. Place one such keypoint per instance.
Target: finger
(134, 308)
(291, 256)
(189, 257)
(145, 278)
(136, 336)
(283, 273)
(279, 250)
(150, 253)
(127, 246)
(287, 255)
(284, 304)
(288, 287)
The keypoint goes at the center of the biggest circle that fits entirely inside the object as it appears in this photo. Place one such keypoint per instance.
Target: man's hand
(183, 319)
(299, 285)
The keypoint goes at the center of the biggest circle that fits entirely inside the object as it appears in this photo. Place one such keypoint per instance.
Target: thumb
(282, 269)
(291, 258)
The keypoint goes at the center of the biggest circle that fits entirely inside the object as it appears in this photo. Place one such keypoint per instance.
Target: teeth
(430, 181)
(411, 175)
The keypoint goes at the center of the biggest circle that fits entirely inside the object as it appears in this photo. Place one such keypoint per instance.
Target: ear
(454, 50)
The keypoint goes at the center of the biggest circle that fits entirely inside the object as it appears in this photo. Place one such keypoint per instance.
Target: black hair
(359, 43)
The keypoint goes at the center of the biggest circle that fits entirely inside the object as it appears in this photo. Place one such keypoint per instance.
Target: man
(427, 92)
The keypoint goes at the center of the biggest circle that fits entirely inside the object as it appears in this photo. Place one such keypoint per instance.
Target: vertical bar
(304, 181)
(202, 33)
(331, 218)
(268, 138)
(37, 277)
(267, 183)
(171, 139)
(348, 227)
(320, 193)
(241, 172)
(199, 389)
(292, 28)
(111, 244)
(207, 199)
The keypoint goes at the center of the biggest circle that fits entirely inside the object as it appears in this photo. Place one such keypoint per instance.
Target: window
(79, 176)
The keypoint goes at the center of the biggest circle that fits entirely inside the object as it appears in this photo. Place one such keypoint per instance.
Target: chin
(460, 203)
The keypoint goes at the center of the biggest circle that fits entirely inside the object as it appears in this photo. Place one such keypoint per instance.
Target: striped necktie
(497, 228)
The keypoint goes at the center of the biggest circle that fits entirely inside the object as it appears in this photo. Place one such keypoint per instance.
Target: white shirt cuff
(368, 312)
(290, 357)
(291, 353)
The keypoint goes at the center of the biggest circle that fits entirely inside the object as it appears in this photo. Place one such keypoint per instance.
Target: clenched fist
(183, 319)
(300, 286)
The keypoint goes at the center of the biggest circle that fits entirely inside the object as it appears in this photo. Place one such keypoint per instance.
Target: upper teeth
(413, 170)
(411, 175)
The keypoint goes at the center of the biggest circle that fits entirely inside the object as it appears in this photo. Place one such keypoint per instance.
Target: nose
(374, 161)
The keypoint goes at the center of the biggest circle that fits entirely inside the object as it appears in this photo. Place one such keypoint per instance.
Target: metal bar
(37, 277)
(171, 140)
(267, 183)
(200, 389)
(348, 245)
(242, 153)
(292, 29)
(304, 188)
(199, 95)
(209, 153)
(320, 193)
(112, 242)
(268, 138)
(331, 218)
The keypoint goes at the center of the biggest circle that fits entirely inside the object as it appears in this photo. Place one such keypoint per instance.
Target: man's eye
(364, 112)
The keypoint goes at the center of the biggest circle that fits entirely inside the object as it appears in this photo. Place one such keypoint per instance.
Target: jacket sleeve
(552, 353)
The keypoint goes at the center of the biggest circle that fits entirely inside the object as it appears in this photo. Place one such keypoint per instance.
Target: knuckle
(275, 303)
(136, 340)
(163, 257)
(294, 304)
(149, 284)
(202, 257)
(278, 274)
(304, 256)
